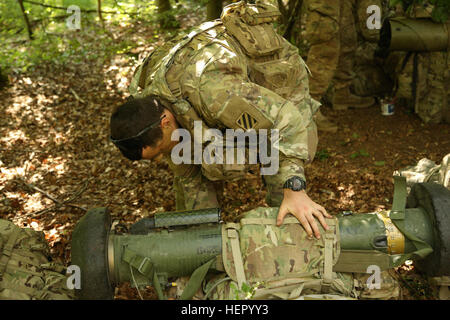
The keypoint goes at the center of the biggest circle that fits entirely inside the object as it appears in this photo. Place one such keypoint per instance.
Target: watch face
(297, 184)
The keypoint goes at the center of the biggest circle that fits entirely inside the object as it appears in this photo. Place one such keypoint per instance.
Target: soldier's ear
(166, 120)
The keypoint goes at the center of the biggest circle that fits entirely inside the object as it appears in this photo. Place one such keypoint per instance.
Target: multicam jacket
(236, 73)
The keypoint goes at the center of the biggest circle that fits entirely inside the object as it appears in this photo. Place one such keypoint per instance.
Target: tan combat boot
(344, 99)
(323, 123)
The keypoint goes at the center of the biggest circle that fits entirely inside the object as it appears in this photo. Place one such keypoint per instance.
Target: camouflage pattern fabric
(321, 35)
(280, 256)
(423, 78)
(348, 43)
(430, 93)
(427, 171)
(389, 286)
(26, 270)
(234, 66)
(371, 78)
(192, 189)
(339, 48)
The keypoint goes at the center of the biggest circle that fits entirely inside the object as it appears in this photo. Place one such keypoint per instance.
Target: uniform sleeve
(192, 189)
(227, 94)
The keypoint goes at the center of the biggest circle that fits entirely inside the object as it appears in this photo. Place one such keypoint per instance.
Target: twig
(41, 191)
(58, 203)
(81, 10)
(76, 96)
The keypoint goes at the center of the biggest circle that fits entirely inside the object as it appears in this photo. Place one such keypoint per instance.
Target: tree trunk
(163, 6)
(3, 80)
(165, 18)
(99, 11)
(213, 9)
(294, 13)
(25, 18)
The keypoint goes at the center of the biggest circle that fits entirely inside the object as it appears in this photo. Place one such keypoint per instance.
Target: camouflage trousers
(330, 31)
(195, 191)
(196, 187)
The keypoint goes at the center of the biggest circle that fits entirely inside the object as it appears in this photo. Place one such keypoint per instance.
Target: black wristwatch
(295, 184)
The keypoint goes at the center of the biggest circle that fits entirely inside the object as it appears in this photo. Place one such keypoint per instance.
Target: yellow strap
(237, 257)
(395, 239)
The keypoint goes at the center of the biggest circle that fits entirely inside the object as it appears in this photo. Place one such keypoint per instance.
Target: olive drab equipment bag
(26, 269)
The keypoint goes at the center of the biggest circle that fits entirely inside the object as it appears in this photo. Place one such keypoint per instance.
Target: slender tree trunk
(165, 18)
(213, 9)
(293, 17)
(25, 18)
(163, 6)
(3, 80)
(99, 11)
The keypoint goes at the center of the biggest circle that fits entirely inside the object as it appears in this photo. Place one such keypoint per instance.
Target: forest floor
(54, 132)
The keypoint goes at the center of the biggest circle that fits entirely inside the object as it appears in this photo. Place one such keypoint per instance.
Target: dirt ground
(54, 144)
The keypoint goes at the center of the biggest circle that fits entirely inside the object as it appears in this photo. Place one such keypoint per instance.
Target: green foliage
(360, 153)
(322, 154)
(56, 44)
(440, 12)
(246, 291)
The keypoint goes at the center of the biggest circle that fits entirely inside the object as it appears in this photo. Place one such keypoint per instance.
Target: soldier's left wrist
(295, 183)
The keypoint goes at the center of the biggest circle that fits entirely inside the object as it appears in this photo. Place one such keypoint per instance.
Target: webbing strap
(8, 248)
(196, 280)
(397, 215)
(145, 267)
(142, 264)
(328, 258)
(157, 286)
(237, 257)
(266, 221)
(399, 201)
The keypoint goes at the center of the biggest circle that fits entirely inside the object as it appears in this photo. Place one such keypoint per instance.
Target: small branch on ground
(76, 96)
(57, 202)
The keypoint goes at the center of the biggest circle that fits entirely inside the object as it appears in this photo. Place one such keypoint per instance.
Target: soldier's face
(152, 153)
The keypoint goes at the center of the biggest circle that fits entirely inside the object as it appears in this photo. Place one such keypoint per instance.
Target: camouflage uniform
(224, 71)
(26, 270)
(371, 79)
(330, 33)
(422, 78)
(427, 171)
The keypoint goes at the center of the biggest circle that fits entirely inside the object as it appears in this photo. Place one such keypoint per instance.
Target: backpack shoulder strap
(7, 249)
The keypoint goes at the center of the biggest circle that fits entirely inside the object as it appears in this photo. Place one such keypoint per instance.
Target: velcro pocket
(261, 13)
(253, 30)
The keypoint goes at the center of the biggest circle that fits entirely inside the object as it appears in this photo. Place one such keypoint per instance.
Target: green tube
(404, 34)
(171, 253)
(173, 218)
(371, 232)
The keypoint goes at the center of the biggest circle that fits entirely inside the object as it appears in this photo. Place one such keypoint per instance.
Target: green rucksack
(26, 269)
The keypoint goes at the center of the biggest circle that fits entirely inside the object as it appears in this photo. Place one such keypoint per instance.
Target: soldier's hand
(304, 209)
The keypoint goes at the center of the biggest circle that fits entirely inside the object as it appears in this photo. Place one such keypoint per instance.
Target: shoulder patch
(246, 121)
